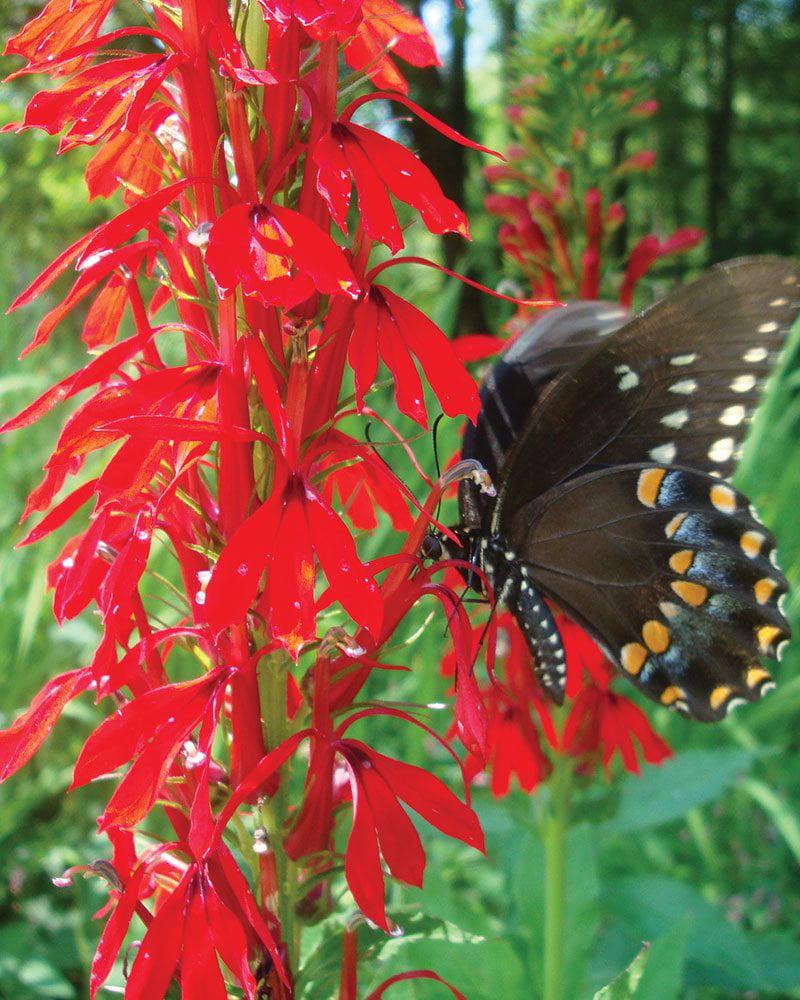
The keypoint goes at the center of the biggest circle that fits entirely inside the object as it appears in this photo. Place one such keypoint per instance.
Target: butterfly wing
(553, 343)
(676, 385)
(670, 571)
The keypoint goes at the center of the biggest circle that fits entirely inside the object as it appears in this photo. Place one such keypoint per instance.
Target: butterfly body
(611, 446)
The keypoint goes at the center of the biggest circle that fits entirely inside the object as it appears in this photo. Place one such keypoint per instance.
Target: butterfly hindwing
(670, 571)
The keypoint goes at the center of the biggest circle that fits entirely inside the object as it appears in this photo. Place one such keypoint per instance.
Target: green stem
(272, 677)
(555, 831)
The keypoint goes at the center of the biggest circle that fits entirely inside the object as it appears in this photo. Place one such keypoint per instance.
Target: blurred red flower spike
(377, 165)
(648, 250)
(645, 160)
(385, 322)
(277, 255)
(387, 30)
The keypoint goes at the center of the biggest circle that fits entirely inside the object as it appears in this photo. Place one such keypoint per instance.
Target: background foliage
(700, 856)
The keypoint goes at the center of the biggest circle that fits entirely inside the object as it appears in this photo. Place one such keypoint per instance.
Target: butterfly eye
(431, 547)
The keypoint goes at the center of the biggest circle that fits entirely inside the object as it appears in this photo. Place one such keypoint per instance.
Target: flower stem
(272, 681)
(555, 831)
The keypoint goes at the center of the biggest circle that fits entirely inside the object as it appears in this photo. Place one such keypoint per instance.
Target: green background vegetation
(700, 857)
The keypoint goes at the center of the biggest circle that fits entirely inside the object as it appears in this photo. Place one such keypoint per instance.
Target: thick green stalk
(555, 829)
(272, 677)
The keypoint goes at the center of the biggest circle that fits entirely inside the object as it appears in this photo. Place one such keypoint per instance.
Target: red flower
(602, 723)
(276, 254)
(60, 26)
(207, 914)
(320, 18)
(350, 153)
(281, 538)
(387, 30)
(381, 827)
(363, 482)
(387, 324)
(150, 731)
(100, 101)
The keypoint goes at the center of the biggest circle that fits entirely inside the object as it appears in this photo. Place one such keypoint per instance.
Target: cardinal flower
(276, 254)
(386, 31)
(376, 165)
(388, 324)
(281, 539)
(381, 827)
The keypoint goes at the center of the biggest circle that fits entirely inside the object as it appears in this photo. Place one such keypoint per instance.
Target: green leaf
(717, 953)
(624, 986)
(655, 973)
(664, 793)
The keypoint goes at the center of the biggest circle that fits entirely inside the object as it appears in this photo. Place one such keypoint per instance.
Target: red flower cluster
(559, 205)
(522, 734)
(222, 131)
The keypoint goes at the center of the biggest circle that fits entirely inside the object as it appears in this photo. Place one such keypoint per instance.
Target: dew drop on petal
(200, 597)
(242, 569)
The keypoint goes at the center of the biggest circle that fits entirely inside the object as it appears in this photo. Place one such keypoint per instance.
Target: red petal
(201, 978)
(291, 577)
(61, 513)
(59, 27)
(26, 734)
(115, 930)
(453, 385)
(230, 942)
(363, 349)
(157, 957)
(105, 314)
(333, 179)
(236, 575)
(399, 841)
(410, 181)
(430, 797)
(347, 575)
(362, 862)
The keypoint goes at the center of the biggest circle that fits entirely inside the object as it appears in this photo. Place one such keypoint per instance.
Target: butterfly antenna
(435, 435)
(374, 446)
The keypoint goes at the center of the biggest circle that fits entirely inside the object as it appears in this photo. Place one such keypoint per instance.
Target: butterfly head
(461, 545)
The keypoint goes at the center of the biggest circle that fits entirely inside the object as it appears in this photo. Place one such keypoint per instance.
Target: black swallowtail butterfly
(611, 444)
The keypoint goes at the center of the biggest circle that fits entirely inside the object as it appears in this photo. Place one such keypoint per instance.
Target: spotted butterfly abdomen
(612, 448)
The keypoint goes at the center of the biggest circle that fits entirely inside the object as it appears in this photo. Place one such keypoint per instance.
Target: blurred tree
(727, 74)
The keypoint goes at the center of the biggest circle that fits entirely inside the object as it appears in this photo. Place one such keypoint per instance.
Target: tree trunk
(720, 120)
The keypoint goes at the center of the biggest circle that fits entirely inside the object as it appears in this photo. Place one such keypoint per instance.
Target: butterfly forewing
(552, 344)
(676, 385)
